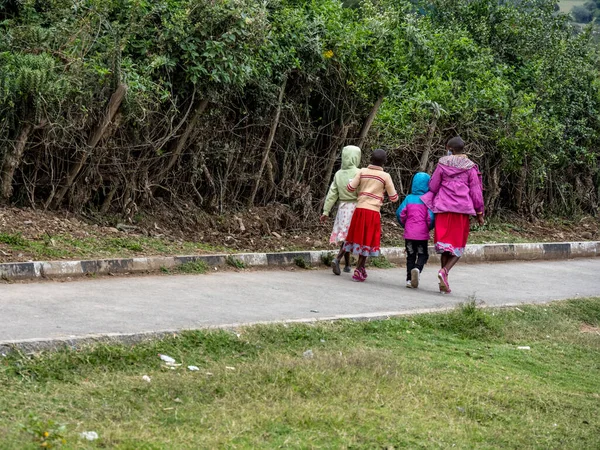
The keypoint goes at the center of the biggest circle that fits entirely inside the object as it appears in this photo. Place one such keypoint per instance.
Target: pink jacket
(455, 187)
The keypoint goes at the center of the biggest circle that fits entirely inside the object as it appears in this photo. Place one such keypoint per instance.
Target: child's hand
(323, 219)
(480, 219)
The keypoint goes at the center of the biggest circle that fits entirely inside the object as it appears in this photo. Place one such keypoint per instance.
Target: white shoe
(414, 278)
(409, 284)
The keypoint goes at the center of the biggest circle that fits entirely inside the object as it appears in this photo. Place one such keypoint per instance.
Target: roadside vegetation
(188, 106)
(526, 377)
(37, 235)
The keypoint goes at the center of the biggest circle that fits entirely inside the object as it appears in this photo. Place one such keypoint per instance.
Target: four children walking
(443, 202)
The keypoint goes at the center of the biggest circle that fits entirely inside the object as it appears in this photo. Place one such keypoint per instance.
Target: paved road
(133, 305)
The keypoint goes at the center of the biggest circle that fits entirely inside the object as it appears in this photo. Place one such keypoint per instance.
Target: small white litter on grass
(193, 368)
(524, 347)
(146, 378)
(89, 435)
(167, 359)
(308, 354)
(230, 368)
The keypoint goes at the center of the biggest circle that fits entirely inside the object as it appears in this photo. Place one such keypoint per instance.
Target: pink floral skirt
(342, 222)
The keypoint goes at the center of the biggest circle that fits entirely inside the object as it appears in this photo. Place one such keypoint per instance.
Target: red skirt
(451, 233)
(364, 235)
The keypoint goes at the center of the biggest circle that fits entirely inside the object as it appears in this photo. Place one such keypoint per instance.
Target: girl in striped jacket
(364, 235)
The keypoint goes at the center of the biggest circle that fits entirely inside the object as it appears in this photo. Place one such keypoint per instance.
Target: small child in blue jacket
(417, 221)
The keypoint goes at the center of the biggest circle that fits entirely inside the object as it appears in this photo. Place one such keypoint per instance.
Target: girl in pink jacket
(455, 194)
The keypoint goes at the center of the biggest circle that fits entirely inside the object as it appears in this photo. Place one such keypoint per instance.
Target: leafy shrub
(582, 14)
(513, 79)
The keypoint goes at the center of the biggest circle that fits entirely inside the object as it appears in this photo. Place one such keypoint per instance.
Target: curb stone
(475, 253)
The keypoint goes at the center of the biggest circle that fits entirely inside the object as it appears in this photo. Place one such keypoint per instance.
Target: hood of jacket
(458, 163)
(350, 157)
(420, 183)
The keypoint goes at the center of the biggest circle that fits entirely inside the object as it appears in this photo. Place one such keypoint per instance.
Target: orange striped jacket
(372, 183)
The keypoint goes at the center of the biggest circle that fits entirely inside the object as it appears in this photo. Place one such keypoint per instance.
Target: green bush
(582, 14)
(513, 78)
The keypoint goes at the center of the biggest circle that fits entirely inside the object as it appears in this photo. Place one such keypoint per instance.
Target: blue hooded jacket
(413, 214)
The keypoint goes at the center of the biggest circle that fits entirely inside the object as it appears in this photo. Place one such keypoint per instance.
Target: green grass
(192, 267)
(381, 262)
(235, 262)
(98, 246)
(497, 232)
(453, 380)
(327, 258)
(15, 240)
(299, 261)
(57, 247)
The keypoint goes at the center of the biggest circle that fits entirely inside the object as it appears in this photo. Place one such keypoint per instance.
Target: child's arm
(436, 180)
(332, 196)
(476, 190)
(354, 183)
(430, 219)
(391, 190)
(401, 213)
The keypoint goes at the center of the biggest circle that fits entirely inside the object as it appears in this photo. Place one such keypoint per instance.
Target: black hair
(456, 144)
(379, 157)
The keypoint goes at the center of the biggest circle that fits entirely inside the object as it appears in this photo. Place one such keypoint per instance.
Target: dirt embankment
(27, 234)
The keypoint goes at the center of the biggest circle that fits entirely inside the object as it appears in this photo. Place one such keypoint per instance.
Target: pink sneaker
(364, 272)
(358, 276)
(443, 279)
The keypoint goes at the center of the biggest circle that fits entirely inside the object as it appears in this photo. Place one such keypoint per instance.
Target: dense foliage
(124, 104)
(588, 12)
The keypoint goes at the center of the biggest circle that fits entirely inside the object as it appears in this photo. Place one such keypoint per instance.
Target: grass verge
(381, 262)
(437, 380)
(92, 247)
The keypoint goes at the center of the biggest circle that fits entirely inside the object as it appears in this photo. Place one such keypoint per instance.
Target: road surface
(59, 310)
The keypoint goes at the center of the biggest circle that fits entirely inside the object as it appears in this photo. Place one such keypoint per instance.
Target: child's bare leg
(444, 259)
(335, 264)
(450, 262)
(341, 252)
(362, 260)
(347, 258)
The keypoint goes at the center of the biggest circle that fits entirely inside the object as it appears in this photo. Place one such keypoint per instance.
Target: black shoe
(335, 266)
